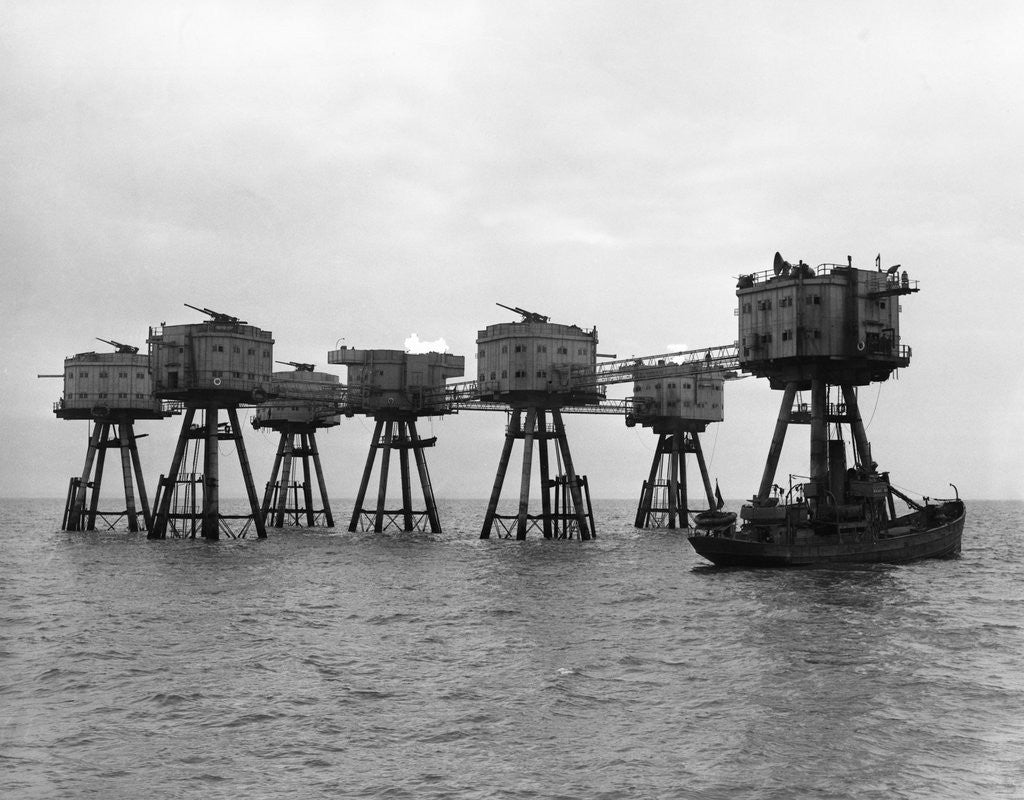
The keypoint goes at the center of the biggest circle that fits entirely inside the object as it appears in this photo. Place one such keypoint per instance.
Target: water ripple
(363, 666)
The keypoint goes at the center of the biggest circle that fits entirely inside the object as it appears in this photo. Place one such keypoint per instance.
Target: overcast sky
(350, 172)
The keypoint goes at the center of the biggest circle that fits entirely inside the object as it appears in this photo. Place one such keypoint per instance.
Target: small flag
(718, 496)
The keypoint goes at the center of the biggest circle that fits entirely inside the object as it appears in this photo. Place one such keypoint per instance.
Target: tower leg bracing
(396, 436)
(82, 506)
(188, 502)
(289, 496)
(778, 439)
(664, 500)
(570, 514)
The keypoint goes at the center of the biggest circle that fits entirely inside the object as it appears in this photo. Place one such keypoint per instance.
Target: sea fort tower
(208, 367)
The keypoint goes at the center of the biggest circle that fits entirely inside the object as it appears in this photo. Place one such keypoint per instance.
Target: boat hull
(939, 541)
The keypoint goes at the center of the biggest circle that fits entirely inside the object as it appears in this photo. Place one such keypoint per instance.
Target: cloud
(414, 345)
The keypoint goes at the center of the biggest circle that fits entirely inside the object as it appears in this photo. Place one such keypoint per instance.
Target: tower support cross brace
(81, 507)
(189, 503)
(664, 501)
(573, 515)
(396, 434)
(275, 508)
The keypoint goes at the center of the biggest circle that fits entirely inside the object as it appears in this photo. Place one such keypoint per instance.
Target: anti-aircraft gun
(528, 316)
(299, 367)
(225, 319)
(120, 348)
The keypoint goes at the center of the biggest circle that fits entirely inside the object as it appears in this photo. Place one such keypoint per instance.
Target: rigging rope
(877, 395)
(714, 446)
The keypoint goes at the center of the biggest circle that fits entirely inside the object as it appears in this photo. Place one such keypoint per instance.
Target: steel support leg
(364, 483)
(499, 478)
(307, 481)
(147, 513)
(406, 479)
(643, 509)
(328, 516)
(703, 467)
(542, 434)
(76, 515)
(819, 433)
(97, 480)
(250, 487)
(522, 520)
(126, 474)
(860, 436)
(673, 479)
(211, 476)
(382, 489)
(288, 443)
(428, 489)
(268, 493)
(778, 439)
(570, 472)
(166, 490)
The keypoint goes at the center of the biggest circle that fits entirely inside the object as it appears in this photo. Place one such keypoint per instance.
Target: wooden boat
(784, 536)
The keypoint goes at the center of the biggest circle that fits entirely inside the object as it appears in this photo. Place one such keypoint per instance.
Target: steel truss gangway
(721, 359)
(473, 396)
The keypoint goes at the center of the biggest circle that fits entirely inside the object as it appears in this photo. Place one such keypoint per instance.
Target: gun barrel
(528, 316)
(216, 315)
(120, 347)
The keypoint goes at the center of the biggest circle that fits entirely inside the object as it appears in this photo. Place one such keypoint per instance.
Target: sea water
(323, 663)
